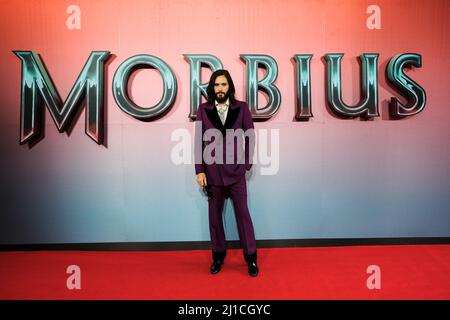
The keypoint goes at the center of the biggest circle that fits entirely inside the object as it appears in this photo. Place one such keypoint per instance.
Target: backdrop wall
(336, 178)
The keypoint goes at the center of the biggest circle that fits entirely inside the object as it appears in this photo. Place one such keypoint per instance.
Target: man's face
(221, 89)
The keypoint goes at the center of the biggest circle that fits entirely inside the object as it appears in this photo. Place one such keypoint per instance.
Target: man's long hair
(210, 88)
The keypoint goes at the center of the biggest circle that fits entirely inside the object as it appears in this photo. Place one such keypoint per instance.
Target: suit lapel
(213, 116)
(232, 115)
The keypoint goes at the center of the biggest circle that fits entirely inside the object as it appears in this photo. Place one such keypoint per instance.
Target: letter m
(38, 88)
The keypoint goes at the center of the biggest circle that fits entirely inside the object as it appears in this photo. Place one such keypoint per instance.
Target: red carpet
(407, 272)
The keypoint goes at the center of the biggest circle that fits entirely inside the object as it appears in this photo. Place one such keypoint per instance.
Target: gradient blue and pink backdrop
(337, 178)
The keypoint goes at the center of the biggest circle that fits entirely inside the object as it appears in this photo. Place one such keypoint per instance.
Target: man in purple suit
(221, 163)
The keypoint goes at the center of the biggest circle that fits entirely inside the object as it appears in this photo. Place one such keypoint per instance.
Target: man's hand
(201, 179)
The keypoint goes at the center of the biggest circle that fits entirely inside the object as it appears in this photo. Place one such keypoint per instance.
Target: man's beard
(222, 98)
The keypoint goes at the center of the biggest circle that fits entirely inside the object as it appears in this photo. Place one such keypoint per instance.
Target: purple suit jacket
(238, 117)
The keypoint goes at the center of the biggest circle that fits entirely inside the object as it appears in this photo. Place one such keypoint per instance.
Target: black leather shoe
(215, 267)
(253, 269)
